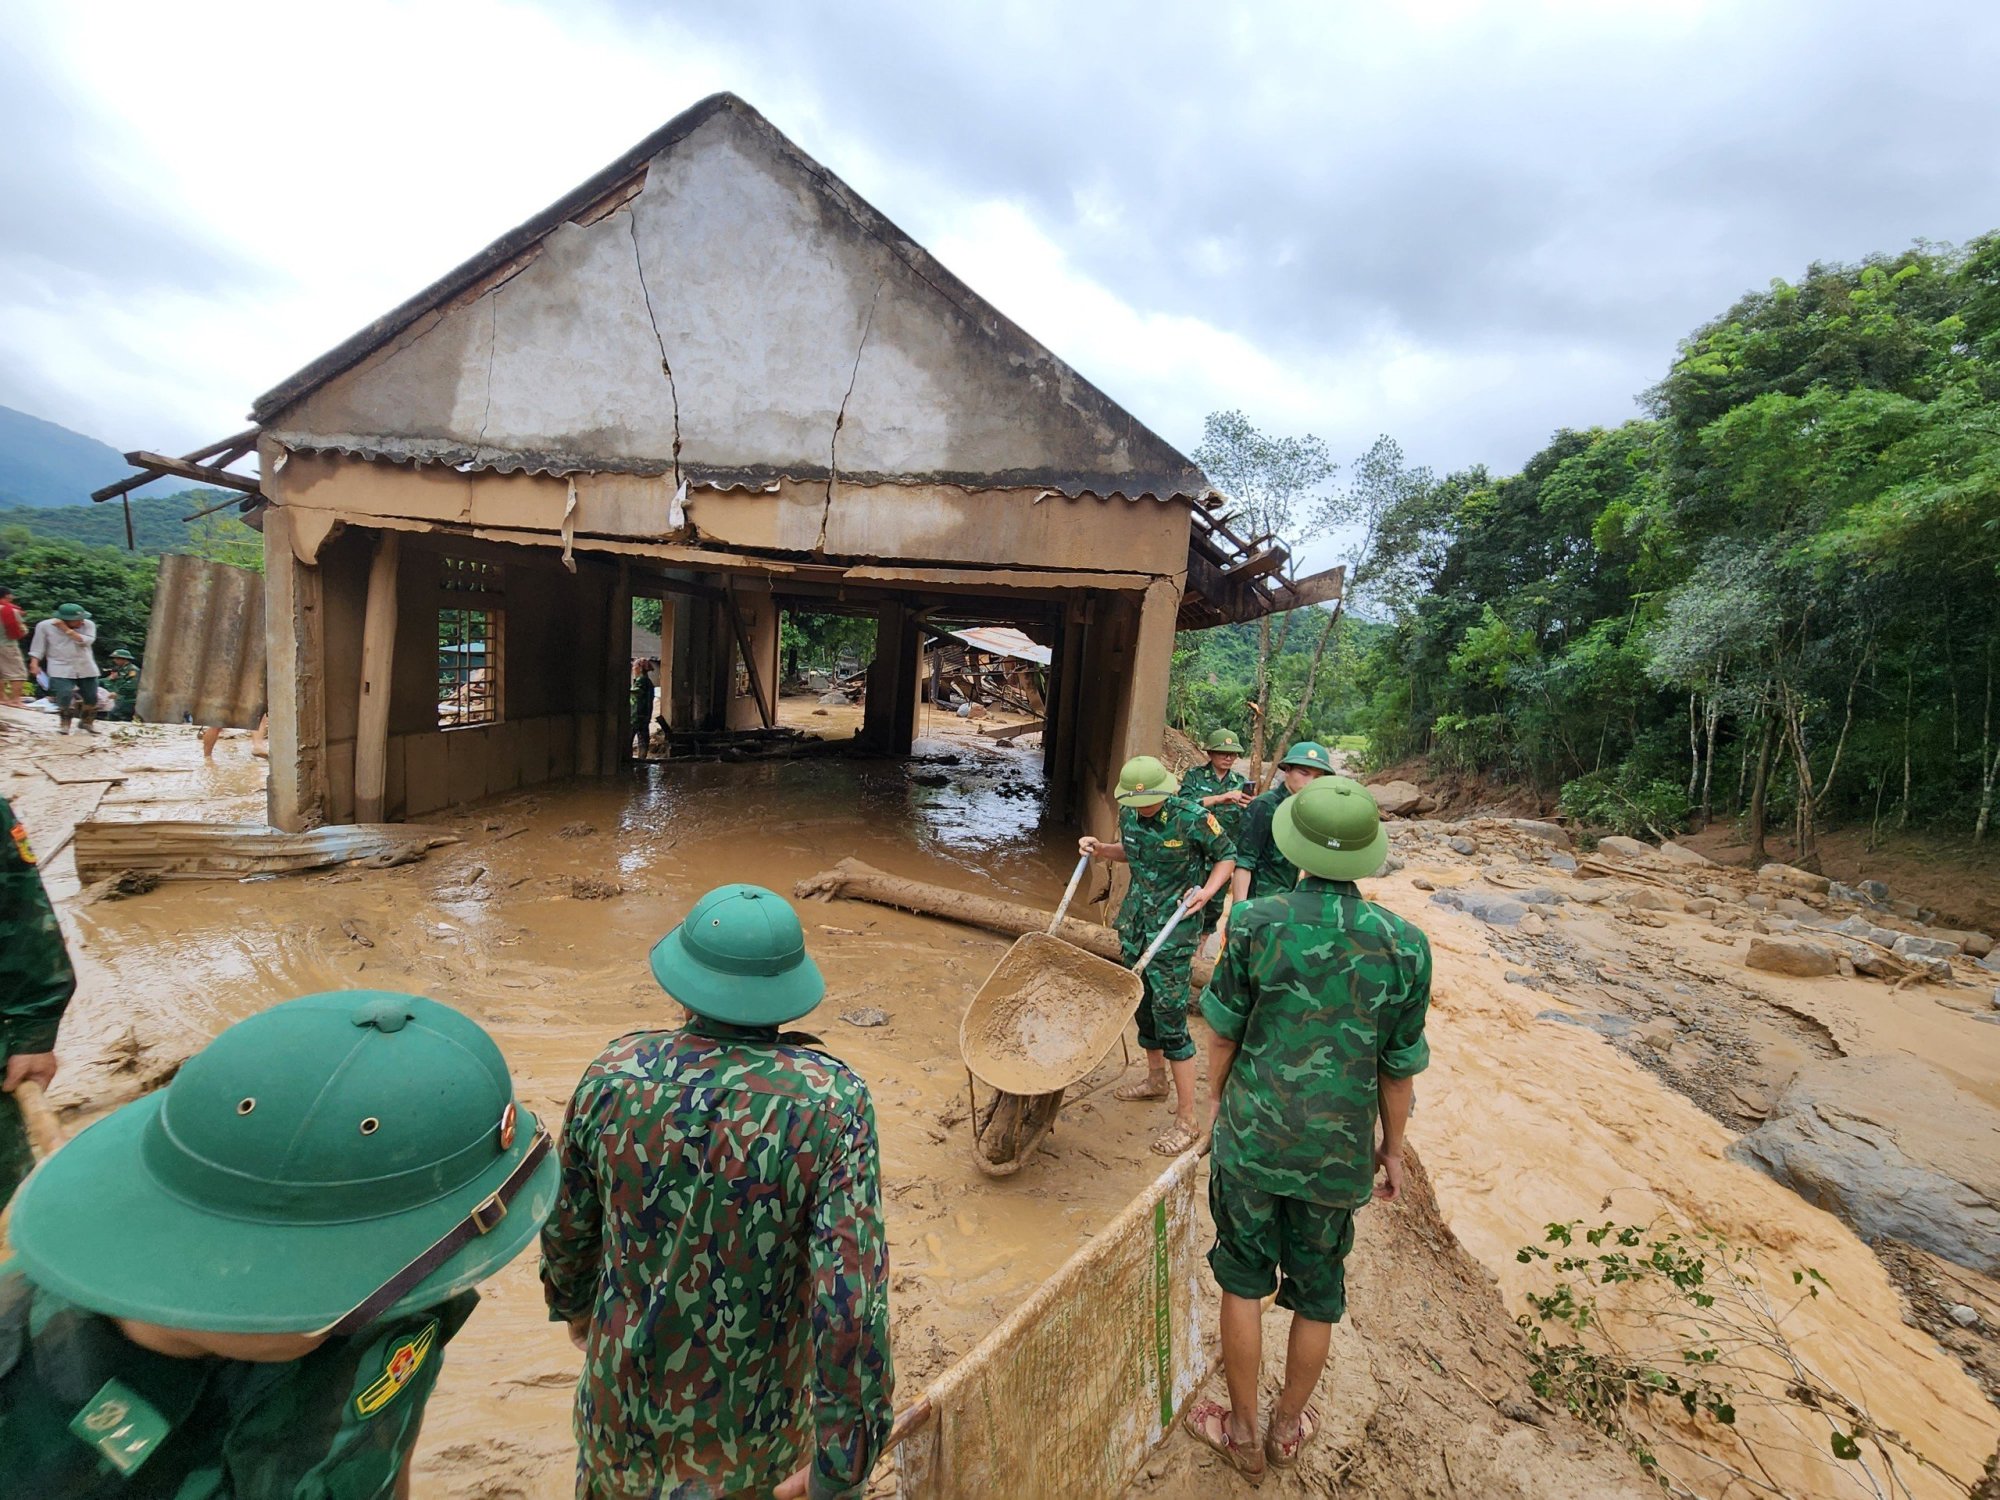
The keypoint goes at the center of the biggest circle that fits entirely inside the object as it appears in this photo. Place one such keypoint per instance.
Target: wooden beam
(205, 473)
(378, 648)
(216, 456)
(1318, 588)
(767, 708)
(1257, 565)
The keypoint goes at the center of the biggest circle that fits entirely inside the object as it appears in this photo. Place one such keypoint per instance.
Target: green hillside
(42, 464)
(156, 520)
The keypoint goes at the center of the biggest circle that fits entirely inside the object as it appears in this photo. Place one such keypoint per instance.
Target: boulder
(1790, 956)
(1590, 892)
(1973, 944)
(1700, 906)
(1874, 890)
(1626, 848)
(1397, 799)
(1645, 898)
(1488, 906)
(1564, 862)
(1910, 946)
(1867, 931)
(1538, 895)
(1991, 961)
(1680, 854)
(1791, 875)
(1535, 828)
(1788, 906)
(1462, 846)
(1893, 1147)
(1758, 901)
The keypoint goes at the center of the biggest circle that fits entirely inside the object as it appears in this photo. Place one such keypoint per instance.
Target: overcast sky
(1462, 224)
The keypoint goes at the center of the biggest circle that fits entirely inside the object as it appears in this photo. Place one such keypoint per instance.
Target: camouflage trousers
(1162, 1012)
(1259, 1234)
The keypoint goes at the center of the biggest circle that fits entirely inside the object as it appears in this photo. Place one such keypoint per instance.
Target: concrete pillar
(888, 719)
(295, 654)
(1148, 678)
(757, 646)
(378, 654)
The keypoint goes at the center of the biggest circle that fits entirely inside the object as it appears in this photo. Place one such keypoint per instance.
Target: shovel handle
(44, 1133)
(1159, 942)
(1069, 892)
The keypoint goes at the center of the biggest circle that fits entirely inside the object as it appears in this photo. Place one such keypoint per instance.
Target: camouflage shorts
(1163, 1009)
(1257, 1234)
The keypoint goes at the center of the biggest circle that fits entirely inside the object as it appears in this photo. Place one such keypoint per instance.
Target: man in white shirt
(61, 649)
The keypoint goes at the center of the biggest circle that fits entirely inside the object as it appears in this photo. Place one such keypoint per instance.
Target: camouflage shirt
(1321, 991)
(1203, 782)
(1169, 853)
(36, 980)
(1271, 874)
(720, 1223)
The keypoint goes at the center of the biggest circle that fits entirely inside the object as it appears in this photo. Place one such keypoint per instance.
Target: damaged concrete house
(714, 375)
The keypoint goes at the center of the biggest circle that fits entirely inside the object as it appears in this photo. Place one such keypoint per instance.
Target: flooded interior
(538, 921)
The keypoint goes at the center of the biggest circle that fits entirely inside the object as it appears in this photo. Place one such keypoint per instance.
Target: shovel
(1069, 892)
(1160, 942)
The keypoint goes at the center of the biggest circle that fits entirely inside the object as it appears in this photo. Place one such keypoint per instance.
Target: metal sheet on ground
(1116, 1331)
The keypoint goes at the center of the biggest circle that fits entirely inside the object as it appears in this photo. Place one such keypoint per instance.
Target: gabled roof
(716, 305)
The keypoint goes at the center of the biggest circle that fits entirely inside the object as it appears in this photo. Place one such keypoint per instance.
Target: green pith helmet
(1308, 755)
(1223, 742)
(121, 654)
(740, 956)
(69, 612)
(1332, 829)
(1145, 782)
(293, 1168)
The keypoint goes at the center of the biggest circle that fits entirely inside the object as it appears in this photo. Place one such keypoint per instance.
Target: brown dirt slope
(1426, 1391)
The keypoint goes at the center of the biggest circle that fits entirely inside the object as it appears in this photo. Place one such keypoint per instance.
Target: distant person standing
(717, 1246)
(1261, 866)
(36, 983)
(61, 649)
(1317, 1007)
(642, 706)
(13, 631)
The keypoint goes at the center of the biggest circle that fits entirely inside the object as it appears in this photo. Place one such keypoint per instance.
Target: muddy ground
(1602, 1064)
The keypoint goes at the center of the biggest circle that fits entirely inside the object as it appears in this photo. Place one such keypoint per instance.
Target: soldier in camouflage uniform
(1318, 1010)
(1179, 857)
(1261, 867)
(717, 1249)
(241, 1287)
(36, 982)
(1217, 786)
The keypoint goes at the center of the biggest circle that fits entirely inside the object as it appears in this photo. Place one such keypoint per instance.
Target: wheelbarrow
(1044, 1019)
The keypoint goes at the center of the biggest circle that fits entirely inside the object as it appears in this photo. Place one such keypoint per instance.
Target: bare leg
(1305, 1361)
(1242, 1356)
(260, 738)
(209, 735)
(1184, 1086)
(1155, 1086)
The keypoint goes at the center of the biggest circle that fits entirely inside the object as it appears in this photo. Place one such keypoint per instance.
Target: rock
(1991, 961)
(1590, 892)
(1564, 862)
(1758, 901)
(1397, 799)
(931, 778)
(835, 697)
(1800, 960)
(1963, 1316)
(576, 830)
(1392, 864)
(1533, 925)
(584, 888)
(1974, 944)
(1626, 848)
(1492, 909)
(1644, 898)
(1680, 854)
(820, 713)
(866, 1015)
(1893, 1147)
(1874, 963)
(1797, 910)
(1462, 846)
(1791, 875)
(1535, 828)
(1908, 910)
(1874, 890)
(1701, 906)
(1909, 945)
(1867, 931)
(1422, 884)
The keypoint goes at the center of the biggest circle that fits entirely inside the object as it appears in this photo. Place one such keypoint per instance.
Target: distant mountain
(43, 464)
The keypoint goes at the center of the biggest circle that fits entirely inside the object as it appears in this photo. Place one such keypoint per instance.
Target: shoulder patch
(119, 1424)
(1213, 826)
(404, 1359)
(20, 835)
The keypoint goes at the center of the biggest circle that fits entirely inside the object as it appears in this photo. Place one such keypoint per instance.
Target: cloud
(1462, 223)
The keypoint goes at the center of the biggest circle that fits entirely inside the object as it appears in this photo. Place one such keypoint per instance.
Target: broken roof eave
(487, 460)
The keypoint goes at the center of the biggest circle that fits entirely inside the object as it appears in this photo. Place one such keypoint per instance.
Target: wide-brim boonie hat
(1332, 829)
(188, 1210)
(740, 956)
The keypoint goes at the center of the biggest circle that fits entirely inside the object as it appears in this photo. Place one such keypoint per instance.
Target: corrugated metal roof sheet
(204, 646)
(1001, 641)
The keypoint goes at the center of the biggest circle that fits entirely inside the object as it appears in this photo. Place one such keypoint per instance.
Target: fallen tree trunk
(228, 851)
(851, 880)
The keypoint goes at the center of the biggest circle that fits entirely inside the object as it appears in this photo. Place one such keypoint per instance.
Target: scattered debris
(174, 850)
(121, 887)
(356, 933)
(865, 1015)
(576, 830)
(589, 888)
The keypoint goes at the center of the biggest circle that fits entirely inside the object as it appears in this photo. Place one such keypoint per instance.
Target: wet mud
(1599, 1067)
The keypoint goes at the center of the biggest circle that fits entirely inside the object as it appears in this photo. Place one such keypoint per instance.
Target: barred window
(469, 686)
(461, 575)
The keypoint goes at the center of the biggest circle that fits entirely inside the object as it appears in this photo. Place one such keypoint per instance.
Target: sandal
(1149, 1088)
(1244, 1459)
(1284, 1455)
(1178, 1139)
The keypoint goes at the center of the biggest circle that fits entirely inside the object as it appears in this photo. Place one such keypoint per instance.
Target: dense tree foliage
(1214, 682)
(116, 586)
(157, 521)
(1778, 597)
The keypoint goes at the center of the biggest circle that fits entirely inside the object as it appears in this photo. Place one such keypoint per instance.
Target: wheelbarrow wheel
(1007, 1133)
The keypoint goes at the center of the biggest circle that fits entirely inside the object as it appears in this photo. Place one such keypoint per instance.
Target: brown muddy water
(494, 926)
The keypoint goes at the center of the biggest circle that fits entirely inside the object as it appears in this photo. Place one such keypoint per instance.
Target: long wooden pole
(378, 650)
